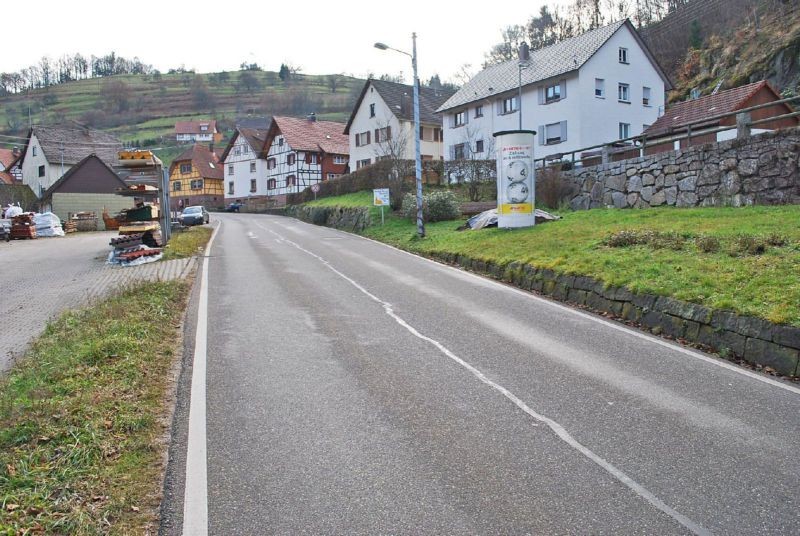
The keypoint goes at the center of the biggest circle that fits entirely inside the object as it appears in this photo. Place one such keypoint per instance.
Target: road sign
(380, 197)
(315, 187)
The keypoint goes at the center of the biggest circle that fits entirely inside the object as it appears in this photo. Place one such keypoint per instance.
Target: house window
(252, 167)
(230, 169)
(421, 133)
(599, 88)
(237, 150)
(459, 151)
(197, 184)
(291, 158)
(624, 130)
(553, 133)
(291, 180)
(203, 128)
(332, 176)
(176, 186)
(339, 159)
(437, 134)
(509, 105)
(186, 168)
(41, 171)
(34, 150)
(552, 93)
(230, 187)
(252, 185)
(623, 55)
(280, 142)
(372, 110)
(362, 139)
(245, 149)
(385, 134)
(646, 96)
(271, 163)
(363, 163)
(479, 111)
(311, 158)
(272, 184)
(459, 119)
(479, 146)
(624, 92)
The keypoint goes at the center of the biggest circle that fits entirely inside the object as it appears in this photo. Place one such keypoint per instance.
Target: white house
(196, 131)
(382, 123)
(245, 169)
(51, 151)
(302, 152)
(598, 87)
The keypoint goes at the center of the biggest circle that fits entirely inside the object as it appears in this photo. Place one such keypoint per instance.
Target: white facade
(37, 172)
(245, 172)
(565, 110)
(209, 136)
(290, 171)
(372, 116)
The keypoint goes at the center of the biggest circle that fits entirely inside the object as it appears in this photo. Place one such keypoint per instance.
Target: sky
(321, 37)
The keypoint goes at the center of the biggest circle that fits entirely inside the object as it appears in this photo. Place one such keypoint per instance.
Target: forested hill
(143, 108)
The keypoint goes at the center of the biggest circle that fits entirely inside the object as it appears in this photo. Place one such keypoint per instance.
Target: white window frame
(459, 119)
(623, 56)
(252, 167)
(553, 141)
(547, 98)
(230, 187)
(230, 169)
(646, 96)
(624, 92)
(624, 131)
(600, 88)
(479, 111)
(510, 105)
(339, 159)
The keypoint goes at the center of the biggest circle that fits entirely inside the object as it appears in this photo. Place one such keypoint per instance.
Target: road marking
(559, 430)
(195, 494)
(719, 362)
(251, 235)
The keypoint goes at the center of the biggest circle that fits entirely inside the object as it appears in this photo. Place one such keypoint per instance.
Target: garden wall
(758, 170)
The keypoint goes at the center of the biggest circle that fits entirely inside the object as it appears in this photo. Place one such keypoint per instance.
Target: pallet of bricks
(23, 227)
(81, 221)
(139, 239)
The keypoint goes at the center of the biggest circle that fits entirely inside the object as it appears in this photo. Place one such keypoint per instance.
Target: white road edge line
(559, 430)
(195, 493)
(614, 325)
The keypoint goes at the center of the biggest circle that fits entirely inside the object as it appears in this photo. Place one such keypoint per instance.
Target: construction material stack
(23, 227)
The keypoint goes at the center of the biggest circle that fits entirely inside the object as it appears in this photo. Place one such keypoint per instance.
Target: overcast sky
(320, 36)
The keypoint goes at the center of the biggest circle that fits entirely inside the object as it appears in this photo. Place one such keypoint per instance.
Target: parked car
(194, 216)
(233, 207)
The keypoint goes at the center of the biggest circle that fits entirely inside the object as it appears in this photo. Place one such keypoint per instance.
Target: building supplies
(22, 226)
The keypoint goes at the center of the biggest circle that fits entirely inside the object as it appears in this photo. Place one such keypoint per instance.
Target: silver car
(194, 216)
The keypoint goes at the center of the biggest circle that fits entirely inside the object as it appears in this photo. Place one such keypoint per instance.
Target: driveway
(41, 278)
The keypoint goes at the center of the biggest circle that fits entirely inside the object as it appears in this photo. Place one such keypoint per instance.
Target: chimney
(15, 151)
(524, 52)
(312, 117)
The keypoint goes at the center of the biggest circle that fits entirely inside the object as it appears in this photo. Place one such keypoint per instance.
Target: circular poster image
(517, 171)
(517, 192)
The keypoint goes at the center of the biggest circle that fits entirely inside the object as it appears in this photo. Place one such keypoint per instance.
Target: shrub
(653, 239)
(552, 190)
(707, 244)
(777, 240)
(436, 206)
(749, 245)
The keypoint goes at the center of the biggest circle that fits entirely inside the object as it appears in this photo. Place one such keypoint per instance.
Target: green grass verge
(191, 241)
(765, 285)
(81, 432)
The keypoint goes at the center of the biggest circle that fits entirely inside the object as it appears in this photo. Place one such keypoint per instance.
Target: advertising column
(516, 184)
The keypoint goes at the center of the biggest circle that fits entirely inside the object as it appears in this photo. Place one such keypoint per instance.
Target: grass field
(698, 255)
(188, 242)
(81, 418)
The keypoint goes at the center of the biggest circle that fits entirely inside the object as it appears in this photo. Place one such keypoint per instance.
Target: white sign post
(380, 198)
(315, 189)
(516, 181)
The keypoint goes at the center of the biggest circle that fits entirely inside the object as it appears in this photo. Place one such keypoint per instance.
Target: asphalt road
(356, 389)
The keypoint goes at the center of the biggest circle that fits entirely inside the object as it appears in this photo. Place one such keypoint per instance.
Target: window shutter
(308, 158)
(563, 84)
(388, 132)
(368, 140)
(466, 116)
(377, 135)
(541, 95)
(541, 135)
(452, 152)
(499, 106)
(563, 131)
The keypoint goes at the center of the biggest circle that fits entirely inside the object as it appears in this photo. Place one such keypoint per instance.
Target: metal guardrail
(743, 125)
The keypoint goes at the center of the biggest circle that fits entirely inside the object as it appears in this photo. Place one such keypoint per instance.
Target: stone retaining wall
(759, 170)
(352, 219)
(755, 340)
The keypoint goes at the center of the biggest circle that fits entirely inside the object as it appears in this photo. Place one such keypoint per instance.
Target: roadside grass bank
(188, 242)
(82, 417)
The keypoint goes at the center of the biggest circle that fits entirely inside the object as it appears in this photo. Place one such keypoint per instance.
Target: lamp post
(417, 154)
(524, 59)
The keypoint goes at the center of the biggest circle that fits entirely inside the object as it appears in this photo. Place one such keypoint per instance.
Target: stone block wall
(759, 170)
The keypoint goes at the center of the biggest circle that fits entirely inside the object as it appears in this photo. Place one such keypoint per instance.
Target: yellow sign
(516, 208)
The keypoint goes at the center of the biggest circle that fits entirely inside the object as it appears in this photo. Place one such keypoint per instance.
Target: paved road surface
(355, 389)
(41, 278)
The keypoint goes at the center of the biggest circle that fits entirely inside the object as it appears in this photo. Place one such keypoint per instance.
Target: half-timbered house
(196, 179)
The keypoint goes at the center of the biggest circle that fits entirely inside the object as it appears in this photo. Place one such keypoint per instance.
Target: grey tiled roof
(400, 100)
(555, 60)
(75, 142)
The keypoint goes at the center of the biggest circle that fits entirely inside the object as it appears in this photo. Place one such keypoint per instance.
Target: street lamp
(418, 156)
(524, 62)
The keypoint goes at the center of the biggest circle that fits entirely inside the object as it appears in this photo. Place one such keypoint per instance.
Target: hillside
(142, 109)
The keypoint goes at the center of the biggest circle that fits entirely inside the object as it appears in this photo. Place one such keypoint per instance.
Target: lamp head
(381, 46)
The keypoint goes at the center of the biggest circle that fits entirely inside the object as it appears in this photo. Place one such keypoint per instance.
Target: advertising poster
(515, 179)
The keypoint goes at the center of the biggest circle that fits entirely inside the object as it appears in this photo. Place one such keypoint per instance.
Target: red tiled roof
(7, 178)
(693, 111)
(306, 135)
(206, 162)
(193, 127)
(7, 157)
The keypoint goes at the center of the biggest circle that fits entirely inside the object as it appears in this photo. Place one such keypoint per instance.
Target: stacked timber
(23, 227)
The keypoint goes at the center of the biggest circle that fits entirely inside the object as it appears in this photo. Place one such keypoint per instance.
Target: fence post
(605, 154)
(742, 125)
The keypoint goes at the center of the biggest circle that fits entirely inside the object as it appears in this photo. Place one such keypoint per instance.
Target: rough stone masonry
(759, 170)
